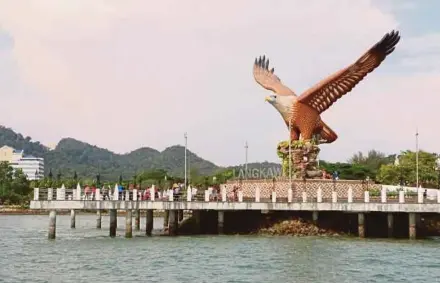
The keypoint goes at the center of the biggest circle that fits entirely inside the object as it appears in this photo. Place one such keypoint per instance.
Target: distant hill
(87, 160)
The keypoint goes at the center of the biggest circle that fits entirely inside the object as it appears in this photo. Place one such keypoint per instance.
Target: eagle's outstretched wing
(325, 93)
(267, 79)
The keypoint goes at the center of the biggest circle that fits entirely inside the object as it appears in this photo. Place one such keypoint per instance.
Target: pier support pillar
(390, 222)
(166, 217)
(180, 211)
(128, 224)
(137, 220)
(412, 225)
(72, 218)
(113, 222)
(361, 225)
(315, 217)
(149, 222)
(196, 215)
(52, 224)
(221, 221)
(173, 223)
(98, 219)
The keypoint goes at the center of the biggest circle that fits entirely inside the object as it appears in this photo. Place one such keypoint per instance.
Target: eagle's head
(282, 103)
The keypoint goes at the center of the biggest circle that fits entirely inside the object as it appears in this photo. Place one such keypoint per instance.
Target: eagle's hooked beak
(269, 99)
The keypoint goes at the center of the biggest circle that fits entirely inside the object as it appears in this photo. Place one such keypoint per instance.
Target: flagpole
(246, 146)
(417, 158)
(290, 153)
(186, 138)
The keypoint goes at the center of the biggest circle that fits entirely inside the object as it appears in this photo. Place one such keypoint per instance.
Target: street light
(438, 169)
(397, 164)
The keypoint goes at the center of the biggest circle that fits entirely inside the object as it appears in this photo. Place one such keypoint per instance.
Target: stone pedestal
(149, 222)
(390, 225)
(113, 222)
(361, 223)
(412, 226)
(52, 224)
(128, 224)
(304, 156)
(72, 218)
(221, 221)
(98, 219)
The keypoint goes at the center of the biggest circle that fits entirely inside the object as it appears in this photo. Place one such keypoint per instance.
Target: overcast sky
(128, 74)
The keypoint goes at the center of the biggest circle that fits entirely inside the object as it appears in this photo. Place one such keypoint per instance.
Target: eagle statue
(302, 113)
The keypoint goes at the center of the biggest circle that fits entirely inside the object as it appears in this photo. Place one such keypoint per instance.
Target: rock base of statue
(304, 159)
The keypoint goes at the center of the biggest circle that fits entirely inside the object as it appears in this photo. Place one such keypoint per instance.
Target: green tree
(406, 170)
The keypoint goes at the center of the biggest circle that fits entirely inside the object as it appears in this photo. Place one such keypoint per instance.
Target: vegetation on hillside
(14, 187)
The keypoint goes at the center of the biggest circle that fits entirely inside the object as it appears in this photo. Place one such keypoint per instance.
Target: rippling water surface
(86, 254)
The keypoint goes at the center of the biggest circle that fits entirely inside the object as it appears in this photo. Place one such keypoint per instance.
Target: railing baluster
(257, 194)
(350, 195)
(274, 197)
(224, 194)
(289, 195)
(383, 195)
(49, 194)
(319, 195)
(240, 196)
(401, 197)
(36, 193)
(304, 196)
(334, 197)
(366, 196)
(153, 193)
(116, 192)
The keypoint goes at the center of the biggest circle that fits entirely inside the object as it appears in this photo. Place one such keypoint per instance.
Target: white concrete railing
(61, 194)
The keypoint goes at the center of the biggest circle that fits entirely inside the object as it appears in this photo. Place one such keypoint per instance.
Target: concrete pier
(113, 222)
(173, 223)
(412, 225)
(98, 219)
(180, 211)
(72, 218)
(149, 222)
(221, 221)
(390, 225)
(128, 224)
(137, 220)
(361, 223)
(52, 224)
(166, 217)
(315, 215)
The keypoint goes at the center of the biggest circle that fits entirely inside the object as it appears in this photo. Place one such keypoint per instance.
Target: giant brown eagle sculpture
(304, 111)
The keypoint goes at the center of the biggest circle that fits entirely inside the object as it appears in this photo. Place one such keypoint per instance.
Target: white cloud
(140, 73)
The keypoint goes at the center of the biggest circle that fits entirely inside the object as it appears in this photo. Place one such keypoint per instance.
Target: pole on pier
(221, 221)
(52, 224)
(361, 223)
(113, 222)
(186, 146)
(98, 219)
(166, 217)
(137, 220)
(128, 224)
(246, 146)
(72, 218)
(149, 222)
(412, 226)
(172, 229)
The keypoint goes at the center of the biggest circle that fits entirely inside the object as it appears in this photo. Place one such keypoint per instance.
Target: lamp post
(186, 145)
(290, 153)
(417, 158)
(438, 170)
(397, 164)
(246, 146)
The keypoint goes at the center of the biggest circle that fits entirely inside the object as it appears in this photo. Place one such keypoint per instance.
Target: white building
(32, 167)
